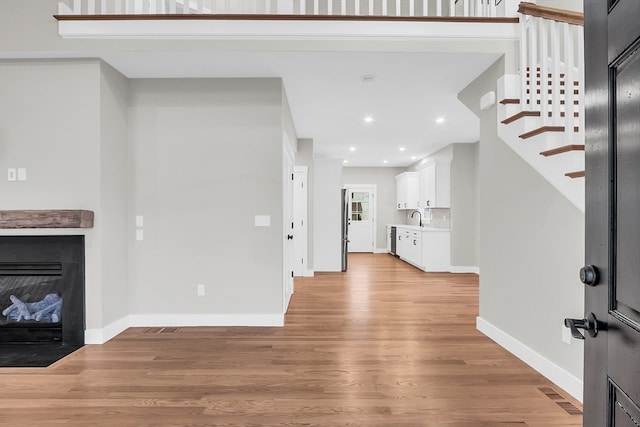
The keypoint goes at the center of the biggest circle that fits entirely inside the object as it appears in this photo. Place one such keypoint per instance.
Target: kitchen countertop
(418, 228)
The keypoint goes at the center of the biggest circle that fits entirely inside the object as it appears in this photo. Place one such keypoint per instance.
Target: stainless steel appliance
(393, 240)
(344, 219)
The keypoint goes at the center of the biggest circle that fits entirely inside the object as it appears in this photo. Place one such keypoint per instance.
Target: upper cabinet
(435, 185)
(407, 190)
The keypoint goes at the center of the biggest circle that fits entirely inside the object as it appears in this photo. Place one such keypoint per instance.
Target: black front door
(612, 100)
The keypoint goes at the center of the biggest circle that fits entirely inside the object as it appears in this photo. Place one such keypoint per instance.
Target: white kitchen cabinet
(414, 247)
(435, 185)
(428, 249)
(388, 238)
(407, 190)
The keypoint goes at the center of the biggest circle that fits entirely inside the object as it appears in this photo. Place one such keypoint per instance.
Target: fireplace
(42, 292)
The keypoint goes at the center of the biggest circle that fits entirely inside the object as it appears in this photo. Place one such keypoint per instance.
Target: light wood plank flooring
(382, 345)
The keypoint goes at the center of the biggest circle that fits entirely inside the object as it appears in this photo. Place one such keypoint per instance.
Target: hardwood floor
(382, 345)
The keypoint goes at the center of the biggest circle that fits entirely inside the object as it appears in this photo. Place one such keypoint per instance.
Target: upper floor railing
(552, 65)
(329, 8)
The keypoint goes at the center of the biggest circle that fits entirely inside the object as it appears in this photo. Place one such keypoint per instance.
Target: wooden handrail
(276, 17)
(560, 15)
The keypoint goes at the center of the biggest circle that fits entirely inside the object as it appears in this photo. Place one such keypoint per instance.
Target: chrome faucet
(420, 216)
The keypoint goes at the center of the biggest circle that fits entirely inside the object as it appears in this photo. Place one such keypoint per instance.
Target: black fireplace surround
(42, 291)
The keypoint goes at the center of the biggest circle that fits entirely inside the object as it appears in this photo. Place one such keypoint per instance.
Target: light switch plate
(11, 174)
(263, 221)
(200, 290)
(139, 221)
(22, 174)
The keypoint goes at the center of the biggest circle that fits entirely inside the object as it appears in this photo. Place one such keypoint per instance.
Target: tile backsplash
(433, 217)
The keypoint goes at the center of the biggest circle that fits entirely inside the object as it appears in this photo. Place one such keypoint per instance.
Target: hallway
(383, 345)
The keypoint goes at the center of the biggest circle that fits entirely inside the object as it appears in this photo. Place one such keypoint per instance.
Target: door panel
(612, 101)
(360, 216)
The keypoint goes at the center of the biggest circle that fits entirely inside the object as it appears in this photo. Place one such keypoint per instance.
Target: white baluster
(452, 8)
(77, 7)
(172, 7)
(533, 61)
(493, 8)
(398, 10)
(316, 7)
(412, 11)
(357, 8)
(91, 7)
(467, 6)
(370, 7)
(385, 7)
(569, 97)
(544, 74)
(103, 7)
(556, 107)
(524, 58)
(438, 7)
(425, 7)
(580, 78)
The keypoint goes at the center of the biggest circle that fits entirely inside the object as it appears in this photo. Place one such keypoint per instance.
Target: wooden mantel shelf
(60, 218)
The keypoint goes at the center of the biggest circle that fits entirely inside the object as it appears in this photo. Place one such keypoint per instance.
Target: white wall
(327, 244)
(206, 158)
(114, 220)
(531, 245)
(385, 181)
(55, 131)
(464, 178)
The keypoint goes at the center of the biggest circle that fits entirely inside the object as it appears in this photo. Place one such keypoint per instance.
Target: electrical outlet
(200, 290)
(22, 174)
(139, 234)
(566, 335)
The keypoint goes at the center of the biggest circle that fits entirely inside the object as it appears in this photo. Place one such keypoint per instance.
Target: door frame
(374, 222)
(288, 284)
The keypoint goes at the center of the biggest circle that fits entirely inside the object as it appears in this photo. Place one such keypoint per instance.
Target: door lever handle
(590, 324)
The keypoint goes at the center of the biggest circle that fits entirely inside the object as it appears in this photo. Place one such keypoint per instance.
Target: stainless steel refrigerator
(344, 219)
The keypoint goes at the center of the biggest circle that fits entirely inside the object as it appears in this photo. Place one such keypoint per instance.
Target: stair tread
(563, 149)
(510, 101)
(544, 129)
(520, 115)
(576, 174)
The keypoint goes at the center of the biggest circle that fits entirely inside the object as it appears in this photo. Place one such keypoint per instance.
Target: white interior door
(361, 218)
(288, 225)
(300, 220)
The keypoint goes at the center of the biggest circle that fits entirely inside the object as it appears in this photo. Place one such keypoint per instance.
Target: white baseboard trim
(464, 269)
(101, 336)
(544, 366)
(380, 251)
(308, 273)
(159, 320)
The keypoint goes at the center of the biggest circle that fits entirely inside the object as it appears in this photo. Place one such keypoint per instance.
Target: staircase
(541, 110)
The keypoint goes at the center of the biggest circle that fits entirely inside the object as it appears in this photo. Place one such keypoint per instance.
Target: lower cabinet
(427, 250)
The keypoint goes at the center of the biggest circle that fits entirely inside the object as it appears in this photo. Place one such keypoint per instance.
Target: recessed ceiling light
(413, 157)
(402, 148)
(352, 148)
(385, 161)
(440, 120)
(345, 161)
(367, 80)
(368, 119)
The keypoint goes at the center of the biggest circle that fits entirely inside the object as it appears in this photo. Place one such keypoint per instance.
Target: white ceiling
(329, 100)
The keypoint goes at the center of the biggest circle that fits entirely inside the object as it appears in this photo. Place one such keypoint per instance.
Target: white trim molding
(544, 366)
(464, 269)
(380, 251)
(308, 273)
(101, 336)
